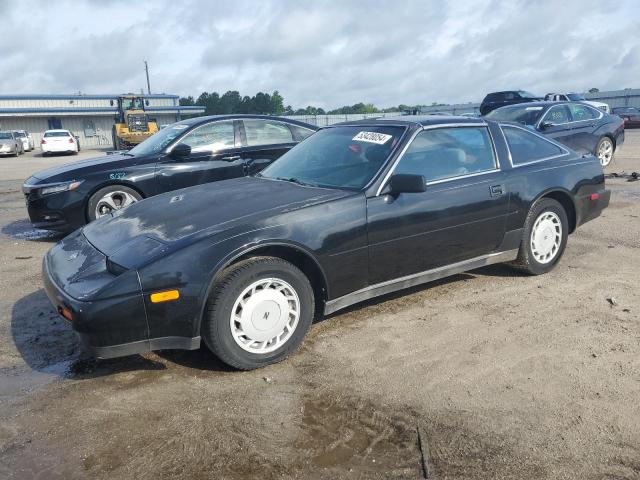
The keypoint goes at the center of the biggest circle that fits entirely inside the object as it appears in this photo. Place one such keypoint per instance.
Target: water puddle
(23, 230)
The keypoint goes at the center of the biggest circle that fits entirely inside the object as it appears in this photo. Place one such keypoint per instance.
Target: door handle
(496, 190)
(230, 158)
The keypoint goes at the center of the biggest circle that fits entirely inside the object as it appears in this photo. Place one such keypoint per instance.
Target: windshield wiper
(297, 181)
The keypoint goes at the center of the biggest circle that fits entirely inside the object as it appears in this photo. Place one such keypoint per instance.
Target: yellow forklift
(132, 124)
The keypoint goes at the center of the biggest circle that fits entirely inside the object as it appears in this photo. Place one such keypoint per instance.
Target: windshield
(575, 97)
(158, 142)
(135, 103)
(5, 135)
(520, 114)
(524, 94)
(20, 134)
(337, 157)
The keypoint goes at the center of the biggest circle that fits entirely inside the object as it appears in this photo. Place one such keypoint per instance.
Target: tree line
(273, 104)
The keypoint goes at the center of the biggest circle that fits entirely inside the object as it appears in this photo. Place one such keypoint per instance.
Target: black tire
(95, 198)
(526, 260)
(605, 163)
(216, 330)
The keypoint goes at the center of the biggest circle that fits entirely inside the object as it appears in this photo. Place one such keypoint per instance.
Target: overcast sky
(321, 53)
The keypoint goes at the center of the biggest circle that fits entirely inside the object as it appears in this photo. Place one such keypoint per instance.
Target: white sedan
(58, 141)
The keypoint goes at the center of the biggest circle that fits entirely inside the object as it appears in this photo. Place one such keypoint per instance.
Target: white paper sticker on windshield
(533, 108)
(372, 137)
(180, 127)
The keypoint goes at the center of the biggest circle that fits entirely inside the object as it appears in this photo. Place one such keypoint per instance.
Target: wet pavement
(506, 376)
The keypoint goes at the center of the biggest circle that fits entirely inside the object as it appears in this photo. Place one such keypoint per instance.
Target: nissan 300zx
(355, 211)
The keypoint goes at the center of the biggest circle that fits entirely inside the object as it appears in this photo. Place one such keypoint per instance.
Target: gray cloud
(325, 53)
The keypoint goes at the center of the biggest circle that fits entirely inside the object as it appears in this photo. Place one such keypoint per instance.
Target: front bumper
(110, 327)
(61, 212)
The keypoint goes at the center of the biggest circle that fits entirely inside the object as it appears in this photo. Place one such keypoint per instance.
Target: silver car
(27, 142)
(10, 145)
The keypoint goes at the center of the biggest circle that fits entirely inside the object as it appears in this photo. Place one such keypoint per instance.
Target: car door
(265, 141)
(461, 215)
(556, 124)
(215, 155)
(585, 123)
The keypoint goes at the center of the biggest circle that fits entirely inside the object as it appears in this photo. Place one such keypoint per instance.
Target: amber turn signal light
(66, 313)
(165, 296)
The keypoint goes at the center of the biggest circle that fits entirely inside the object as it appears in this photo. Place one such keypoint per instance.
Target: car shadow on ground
(48, 344)
(23, 230)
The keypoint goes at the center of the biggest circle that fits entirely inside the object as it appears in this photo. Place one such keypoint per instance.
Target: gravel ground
(505, 376)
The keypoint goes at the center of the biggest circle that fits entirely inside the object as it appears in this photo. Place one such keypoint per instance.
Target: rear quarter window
(266, 132)
(300, 133)
(527, 147)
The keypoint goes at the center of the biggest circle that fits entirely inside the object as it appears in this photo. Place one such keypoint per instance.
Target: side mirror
(180, 152)
(545, 125)
(406, 183)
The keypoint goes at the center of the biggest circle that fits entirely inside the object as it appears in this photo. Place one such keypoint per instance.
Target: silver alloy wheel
(546, 237)
(265, 315)
(113, 201)
(605, 151)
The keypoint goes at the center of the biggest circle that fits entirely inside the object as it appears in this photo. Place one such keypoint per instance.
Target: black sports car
(579, 126)
(355, 211)
(190, 152)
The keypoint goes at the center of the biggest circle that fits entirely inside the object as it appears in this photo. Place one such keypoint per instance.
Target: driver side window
(211, 137)
(443, 153)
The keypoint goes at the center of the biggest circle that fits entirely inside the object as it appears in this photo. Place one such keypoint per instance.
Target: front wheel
(258, 312)
(544, 237)
(604, 151)
(110, 198)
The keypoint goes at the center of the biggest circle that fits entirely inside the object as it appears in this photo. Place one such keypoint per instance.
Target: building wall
(76, 124)
(89, 117)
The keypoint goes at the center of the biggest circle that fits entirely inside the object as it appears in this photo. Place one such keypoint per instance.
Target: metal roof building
(89, 117)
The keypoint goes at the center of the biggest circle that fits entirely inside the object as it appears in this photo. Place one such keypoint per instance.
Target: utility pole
(146, 69)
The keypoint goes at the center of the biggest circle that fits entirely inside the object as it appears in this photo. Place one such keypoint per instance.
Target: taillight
(43, 141)
(71, 140)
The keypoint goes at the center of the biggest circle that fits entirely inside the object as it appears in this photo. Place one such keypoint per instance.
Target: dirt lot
(505, 376)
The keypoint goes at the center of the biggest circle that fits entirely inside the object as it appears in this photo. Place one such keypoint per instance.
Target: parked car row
(577, 125)
(585, 126)
(630, 116)
(15, 142)
(254, 225)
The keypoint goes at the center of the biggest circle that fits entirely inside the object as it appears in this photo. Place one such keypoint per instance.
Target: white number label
(372, 137)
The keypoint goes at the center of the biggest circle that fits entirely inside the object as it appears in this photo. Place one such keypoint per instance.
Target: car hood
(189, 214)
(75, 169)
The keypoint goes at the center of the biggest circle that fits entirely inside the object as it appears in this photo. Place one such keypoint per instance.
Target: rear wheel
(258, 312)
(544, 237)
(109, 199)
(604, 151)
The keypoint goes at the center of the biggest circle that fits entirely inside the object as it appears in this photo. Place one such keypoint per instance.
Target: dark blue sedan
(579, 126)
